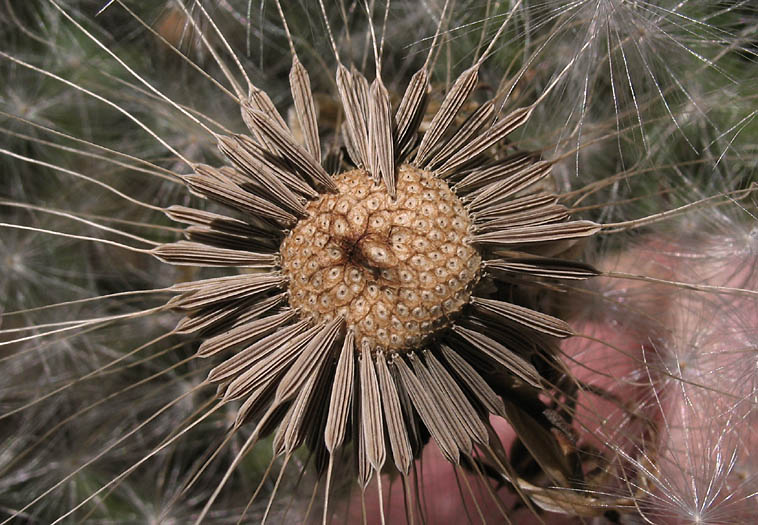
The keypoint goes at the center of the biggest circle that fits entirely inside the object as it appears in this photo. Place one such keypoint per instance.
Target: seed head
(382, 320)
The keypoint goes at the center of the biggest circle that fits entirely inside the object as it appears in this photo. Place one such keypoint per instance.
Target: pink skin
(708, 418)
(441, 496)
(687, 361)
(636, 341)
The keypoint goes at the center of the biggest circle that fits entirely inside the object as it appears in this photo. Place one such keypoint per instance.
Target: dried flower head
(377, 310)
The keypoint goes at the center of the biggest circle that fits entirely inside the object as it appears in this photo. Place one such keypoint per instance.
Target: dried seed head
(396, 269)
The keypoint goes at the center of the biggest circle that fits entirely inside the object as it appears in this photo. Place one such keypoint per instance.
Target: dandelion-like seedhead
(376, 269)
(383, 314)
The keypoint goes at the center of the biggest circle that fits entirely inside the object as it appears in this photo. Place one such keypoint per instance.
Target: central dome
(396, 269)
